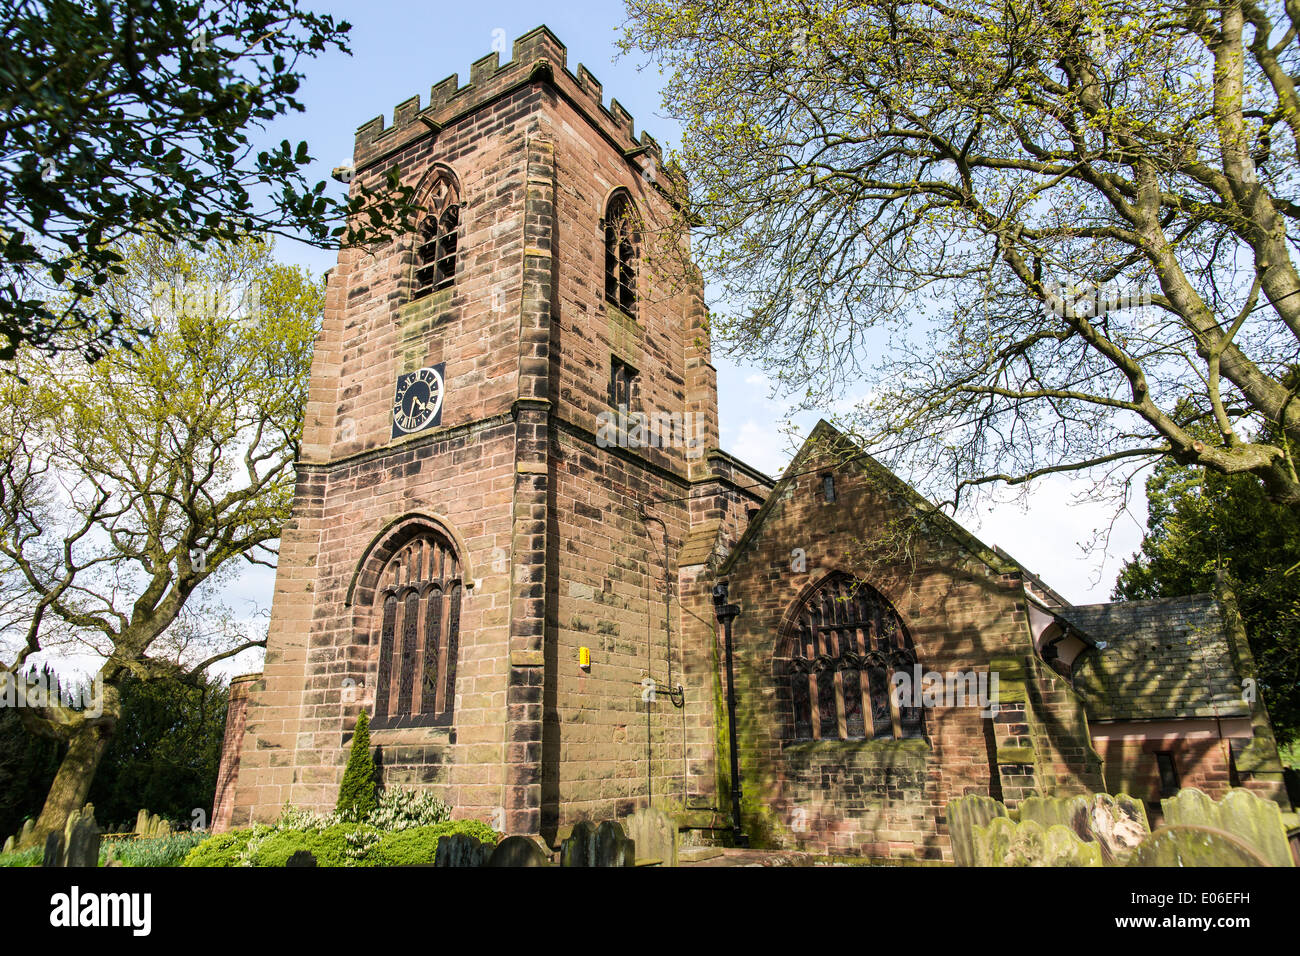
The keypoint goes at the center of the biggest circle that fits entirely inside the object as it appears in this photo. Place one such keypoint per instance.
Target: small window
(436, 249)
(620, 253)
(1168, 773)
(828, 487)
(622, 384)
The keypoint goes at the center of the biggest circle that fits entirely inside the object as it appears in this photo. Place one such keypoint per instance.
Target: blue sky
(403, 48)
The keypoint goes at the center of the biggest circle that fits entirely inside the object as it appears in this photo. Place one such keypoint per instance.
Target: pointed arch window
(435, 252)
(418, 622)
(835, 669)
(621, 241)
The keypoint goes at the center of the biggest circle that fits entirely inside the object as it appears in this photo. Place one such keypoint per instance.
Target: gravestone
(77, 844)
(301, 858)
(605, 845)
(27, 836)
(517, 851)
(461, 849)
(1005, 842)
(1185, 845)
(142, 821)
(964, 815)
(1252, 820)
(9, 845)
(613, 848)
(1117, 824)
(579, 849)
(53, 849)
(81, 838)
(655, 835)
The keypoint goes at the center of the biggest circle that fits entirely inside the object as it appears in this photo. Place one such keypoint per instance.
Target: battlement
(537, 55)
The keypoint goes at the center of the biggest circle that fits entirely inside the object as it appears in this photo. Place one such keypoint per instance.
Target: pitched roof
(1164, 658)
(825, 438)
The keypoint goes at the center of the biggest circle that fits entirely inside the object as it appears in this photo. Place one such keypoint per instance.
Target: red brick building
(511, 572)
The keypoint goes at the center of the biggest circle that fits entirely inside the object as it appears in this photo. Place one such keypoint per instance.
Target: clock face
(417, 402)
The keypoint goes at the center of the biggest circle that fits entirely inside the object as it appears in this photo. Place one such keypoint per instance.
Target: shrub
(329, 845)
(357, 791)
(336, 844)
(220, 849)
(401, 809)
(419, 845)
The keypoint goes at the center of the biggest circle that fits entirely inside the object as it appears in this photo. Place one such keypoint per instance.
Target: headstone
(964, 814)
(613, 848)
(301, 858)
(9, 845)
(142, 821)
(1194, 846)
(461, 849)
(28, 835)
(1254, 821)
(517, 851)
(81, 838)
(579, 849)
(1007, 843)
(53, 849)
(655, 835)
(1116, 824)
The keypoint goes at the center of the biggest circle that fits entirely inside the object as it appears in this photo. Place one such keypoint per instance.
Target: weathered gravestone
(655, 835)
(9, 845)
(1117, 824)
(1252, 820)
(301, 858)
(149, 825)
(1194, 846)
(1005, 842)
(605, 845)
(77, 844)
(517, 851)
(461, 849)
(964, 815)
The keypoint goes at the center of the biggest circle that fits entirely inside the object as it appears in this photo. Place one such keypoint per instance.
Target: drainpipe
(726, 614)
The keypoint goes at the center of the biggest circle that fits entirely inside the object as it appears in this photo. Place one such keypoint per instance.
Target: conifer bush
(357, 793)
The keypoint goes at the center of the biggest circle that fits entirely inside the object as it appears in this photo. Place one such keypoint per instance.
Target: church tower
(510, 437)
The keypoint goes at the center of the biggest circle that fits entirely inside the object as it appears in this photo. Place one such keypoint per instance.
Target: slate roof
(1164, 658)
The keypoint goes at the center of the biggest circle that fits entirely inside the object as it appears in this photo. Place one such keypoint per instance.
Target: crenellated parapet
(537, 56)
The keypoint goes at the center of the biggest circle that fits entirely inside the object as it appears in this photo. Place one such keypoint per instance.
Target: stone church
(535, 617)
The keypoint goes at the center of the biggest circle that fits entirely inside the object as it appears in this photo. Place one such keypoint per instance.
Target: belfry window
(435, 253)
(418, 623)
(834, 670)
(621, 238)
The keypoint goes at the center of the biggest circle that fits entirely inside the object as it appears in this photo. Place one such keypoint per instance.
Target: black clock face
(417, 402)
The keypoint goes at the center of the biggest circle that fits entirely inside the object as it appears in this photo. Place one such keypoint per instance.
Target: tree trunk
(76, 773)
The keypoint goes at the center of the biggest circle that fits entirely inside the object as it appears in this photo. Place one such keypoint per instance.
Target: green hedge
(339, 844)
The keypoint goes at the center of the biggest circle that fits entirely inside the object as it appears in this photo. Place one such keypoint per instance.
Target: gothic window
(620, 253)
(435, 253)
(837, 666)
(418, 620)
